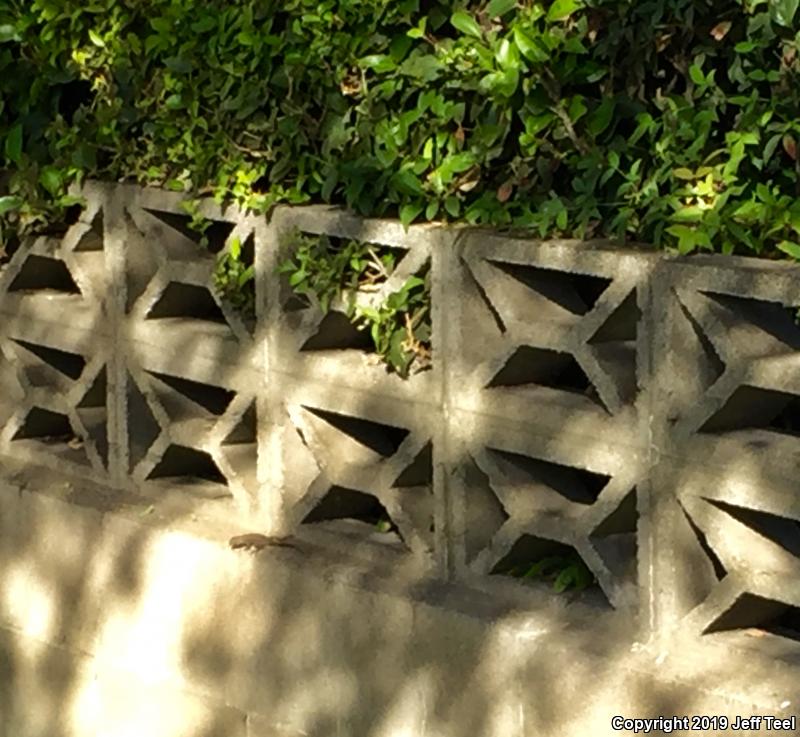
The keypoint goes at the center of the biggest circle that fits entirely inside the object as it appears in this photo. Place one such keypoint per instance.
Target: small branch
(553, 89)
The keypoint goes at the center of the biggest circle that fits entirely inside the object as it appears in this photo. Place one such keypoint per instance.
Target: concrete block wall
(638, 409)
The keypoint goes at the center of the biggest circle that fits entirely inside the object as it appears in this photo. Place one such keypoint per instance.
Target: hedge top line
(667, 121)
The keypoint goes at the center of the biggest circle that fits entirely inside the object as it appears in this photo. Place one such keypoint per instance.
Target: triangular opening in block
(238, 295)
(92, 239)
(759, 616)
(143, 428)
(618, 361)
(544, 367)
(717, 567)
(335, 331)
(93, 414)
(11, 244)
(217, 231)
(754, 407)
(45, 424)
(538, 559)
(783, 531)
(141, 263)
(379, 260)
(483, 305)
(420, 472)
(341, 503)
(180, 461)
(576, 293)
(187, 300)
(43, 272)
(574, 484)
(96, 395)
(68, 364)
(621, 325)
(214, 399)
(244, 432)
(55, 430)
(709, 365)
(769, 317)
(381, 439)
(614, 538)
(369, 266)
(484, 513)
(614, 346)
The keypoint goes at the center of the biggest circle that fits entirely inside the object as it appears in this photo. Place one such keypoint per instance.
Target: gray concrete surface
(636, 408)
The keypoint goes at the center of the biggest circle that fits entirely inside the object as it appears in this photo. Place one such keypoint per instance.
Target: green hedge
(669, 121)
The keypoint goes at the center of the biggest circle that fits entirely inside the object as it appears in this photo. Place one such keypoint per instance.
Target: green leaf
(8, 33)
(412, 283)
(688, 214)
(405, 181)
(687, 240)
(507, 55)
(465, 23)
(497, 8)
(379, 63)
(577, 109)
(246, 276)
(452, 205)
(51, 179)
(600, 119)
(783, 11)
(696, 73)
(14, 144)
(562, 9)
(683, 173)
(422, 66)
(235, 248)
(204, 24)
(528, 46)
(563, 580)
(793, 249)
(409, 213)
(96, 39)
(500, 83)
(397, 355)
(9, 203)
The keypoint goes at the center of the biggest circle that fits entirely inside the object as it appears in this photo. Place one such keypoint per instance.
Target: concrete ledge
(156, 623)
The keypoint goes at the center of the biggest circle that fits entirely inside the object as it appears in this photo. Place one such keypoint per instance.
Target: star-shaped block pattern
(60, 412)
(359, 467)
(50, 276)
(549, 334)
(729, 389)
(191, 368)
(192, 438)
(55, 348)
(546, 366)
(320, 341)
(174, 289)
(520, 497)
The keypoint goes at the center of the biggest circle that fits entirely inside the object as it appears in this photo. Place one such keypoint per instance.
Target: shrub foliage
(669, 121)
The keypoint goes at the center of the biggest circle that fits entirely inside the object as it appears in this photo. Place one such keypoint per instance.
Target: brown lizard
(256, 541)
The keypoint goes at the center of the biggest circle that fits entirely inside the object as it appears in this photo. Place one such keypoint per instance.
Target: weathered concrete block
(307, 341)
(359, 457)
(721, 510)
(552, 325)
